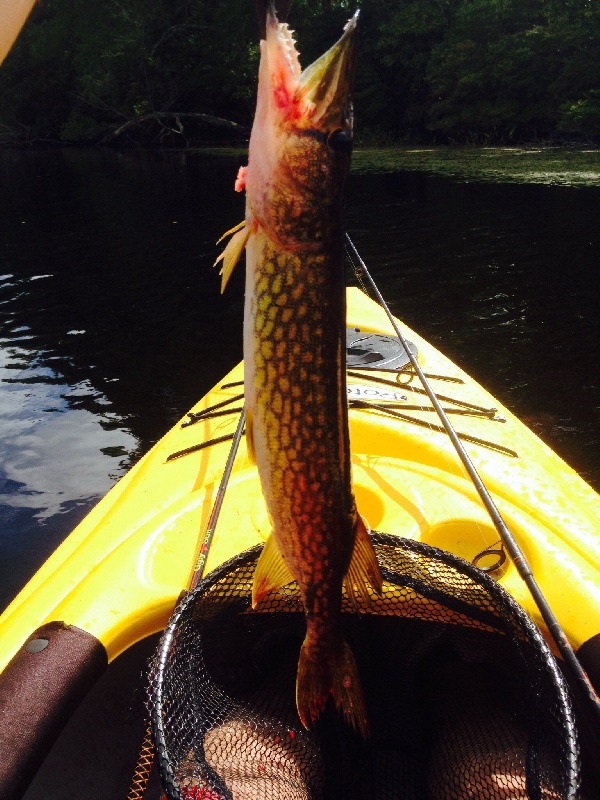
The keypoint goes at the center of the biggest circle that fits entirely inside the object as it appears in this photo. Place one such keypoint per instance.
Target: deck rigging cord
(510, 543)
(146, 758)
(212, 411)
(415, 389)
(391, 412)
(368, 405)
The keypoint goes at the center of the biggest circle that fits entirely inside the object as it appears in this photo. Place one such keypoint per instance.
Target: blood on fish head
(302, 136)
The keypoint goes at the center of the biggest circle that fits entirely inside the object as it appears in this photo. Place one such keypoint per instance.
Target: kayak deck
(114, 582)
(119, 574)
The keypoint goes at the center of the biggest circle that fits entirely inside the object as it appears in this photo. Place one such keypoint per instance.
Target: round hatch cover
(375, 351)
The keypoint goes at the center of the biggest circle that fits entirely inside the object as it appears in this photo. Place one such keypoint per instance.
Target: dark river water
(112, 325)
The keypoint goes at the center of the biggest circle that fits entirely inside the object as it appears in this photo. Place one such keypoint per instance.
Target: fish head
(301, 140)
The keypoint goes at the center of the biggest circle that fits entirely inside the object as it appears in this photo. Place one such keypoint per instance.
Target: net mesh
(464, 698)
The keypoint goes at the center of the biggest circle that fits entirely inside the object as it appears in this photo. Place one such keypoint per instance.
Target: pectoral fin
(363, 568)
(233, 251)
(235, 229)
(271, 572)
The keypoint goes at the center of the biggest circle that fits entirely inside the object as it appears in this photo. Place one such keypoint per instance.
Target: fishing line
(403, 379)
(509, 541)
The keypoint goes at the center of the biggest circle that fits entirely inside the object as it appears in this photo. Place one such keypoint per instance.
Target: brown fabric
(38, 693)
(589, 655)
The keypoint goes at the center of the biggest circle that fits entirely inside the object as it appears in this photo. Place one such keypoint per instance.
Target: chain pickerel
(294, 355)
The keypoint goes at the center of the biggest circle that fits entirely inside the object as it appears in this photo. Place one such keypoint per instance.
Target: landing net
(464, 698)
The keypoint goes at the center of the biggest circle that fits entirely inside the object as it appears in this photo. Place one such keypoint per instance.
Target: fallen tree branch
(160, 116)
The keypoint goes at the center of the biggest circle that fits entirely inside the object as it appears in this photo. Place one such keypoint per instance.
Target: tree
(506, 69)
(175, 71)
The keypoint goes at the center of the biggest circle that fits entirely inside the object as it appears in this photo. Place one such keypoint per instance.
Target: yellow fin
(337, 675)
(363, 568)
(271, 572)
(250, 437)
(235, 229)
(232, 253)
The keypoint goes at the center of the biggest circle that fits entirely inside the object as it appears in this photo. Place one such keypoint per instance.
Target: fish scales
(294, 393)
(294, 356)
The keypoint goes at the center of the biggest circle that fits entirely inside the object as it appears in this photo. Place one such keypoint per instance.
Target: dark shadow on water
(26, 543)
(502, 278)
(112, 323)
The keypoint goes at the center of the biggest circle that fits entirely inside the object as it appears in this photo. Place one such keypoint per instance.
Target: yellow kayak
(115, 581)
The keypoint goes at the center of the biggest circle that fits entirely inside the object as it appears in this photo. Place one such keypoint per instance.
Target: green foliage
(468, 71)
(505, 70)
(582, 116)
(110, 62)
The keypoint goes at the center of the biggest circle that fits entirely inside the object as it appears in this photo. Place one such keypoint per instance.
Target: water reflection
(107, 323)
(112, 324)
(56, 460)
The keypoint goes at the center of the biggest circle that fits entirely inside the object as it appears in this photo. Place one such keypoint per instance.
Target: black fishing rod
(509, 541)
(203, 546)
(282, 9)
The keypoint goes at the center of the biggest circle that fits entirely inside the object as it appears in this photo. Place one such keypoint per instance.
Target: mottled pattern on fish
(297, 396)
(294, 355)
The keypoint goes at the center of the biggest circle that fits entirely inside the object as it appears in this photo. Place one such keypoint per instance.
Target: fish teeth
(289, 48)
(351, 24)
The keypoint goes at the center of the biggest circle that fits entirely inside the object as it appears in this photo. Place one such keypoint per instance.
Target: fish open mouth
(320, 95)
(326, 84)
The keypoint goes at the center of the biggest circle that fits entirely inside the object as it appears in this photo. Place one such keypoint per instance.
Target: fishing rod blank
(202, 549)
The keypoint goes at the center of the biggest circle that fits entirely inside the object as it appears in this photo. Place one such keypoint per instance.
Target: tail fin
(336, 675)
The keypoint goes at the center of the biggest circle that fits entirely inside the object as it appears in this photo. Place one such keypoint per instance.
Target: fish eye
(340, 141)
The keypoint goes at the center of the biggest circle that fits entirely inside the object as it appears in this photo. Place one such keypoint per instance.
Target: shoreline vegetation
(573, 166)
(564, 166)
(476, 72)
(548, 165)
